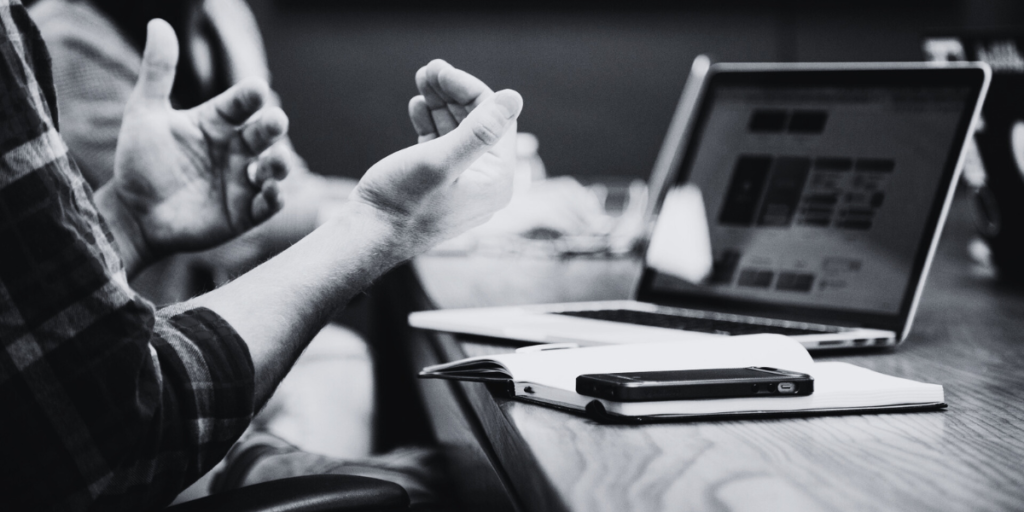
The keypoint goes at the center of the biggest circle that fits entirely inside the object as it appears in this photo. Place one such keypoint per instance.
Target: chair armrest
(316, 493)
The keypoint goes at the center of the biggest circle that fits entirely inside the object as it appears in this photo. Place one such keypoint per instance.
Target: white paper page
(837, 386)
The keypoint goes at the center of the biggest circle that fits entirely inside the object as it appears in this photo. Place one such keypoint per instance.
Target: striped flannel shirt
(105, 403)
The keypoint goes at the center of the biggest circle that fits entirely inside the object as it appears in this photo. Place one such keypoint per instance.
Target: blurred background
(600, 83)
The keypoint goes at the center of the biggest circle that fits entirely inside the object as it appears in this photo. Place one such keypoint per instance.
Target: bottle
(529, 166)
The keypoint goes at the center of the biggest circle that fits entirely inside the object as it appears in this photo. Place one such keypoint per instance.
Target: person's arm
(106, 403)
(309, 200)
(403, 205)
(191, 179)
(95, 72)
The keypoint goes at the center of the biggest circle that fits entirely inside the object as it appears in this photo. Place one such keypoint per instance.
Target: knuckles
(485, 133)
(488, 127)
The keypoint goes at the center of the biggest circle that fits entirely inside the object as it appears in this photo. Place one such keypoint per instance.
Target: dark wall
(600, 85)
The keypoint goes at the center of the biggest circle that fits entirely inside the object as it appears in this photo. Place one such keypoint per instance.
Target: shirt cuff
(218, 365)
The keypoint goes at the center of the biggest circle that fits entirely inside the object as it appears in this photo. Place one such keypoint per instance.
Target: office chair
(316, 493)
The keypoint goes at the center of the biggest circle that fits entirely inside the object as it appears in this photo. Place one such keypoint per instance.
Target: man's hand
(457, 177)
(182, 179)
(461, 171)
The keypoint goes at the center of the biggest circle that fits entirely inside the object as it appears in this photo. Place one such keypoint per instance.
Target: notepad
(549, 377)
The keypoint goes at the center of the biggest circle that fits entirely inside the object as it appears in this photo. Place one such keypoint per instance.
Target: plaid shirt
(105, 404)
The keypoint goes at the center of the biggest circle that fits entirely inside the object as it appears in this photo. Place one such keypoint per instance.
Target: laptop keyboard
(709, 325)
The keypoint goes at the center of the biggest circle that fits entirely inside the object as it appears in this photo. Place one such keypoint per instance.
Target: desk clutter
(546, 375)
(557, 217)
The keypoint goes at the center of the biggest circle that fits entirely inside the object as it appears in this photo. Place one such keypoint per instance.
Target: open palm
(183, 176)
(460, 173)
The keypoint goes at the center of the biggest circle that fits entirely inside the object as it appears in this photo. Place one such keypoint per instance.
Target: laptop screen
(819, 196)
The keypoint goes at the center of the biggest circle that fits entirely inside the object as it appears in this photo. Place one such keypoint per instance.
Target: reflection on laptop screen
(818, 197)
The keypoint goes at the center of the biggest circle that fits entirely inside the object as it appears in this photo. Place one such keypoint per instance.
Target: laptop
(812, 199)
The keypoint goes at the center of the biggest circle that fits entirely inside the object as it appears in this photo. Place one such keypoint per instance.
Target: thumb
(476, 134)
(159, 61)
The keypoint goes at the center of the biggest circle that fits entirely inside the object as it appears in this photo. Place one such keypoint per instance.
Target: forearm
(280, 305)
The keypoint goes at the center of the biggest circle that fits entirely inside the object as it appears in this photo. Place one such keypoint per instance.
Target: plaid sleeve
(105, 403)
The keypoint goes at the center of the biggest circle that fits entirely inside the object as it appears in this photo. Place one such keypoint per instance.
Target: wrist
(390, 241)
(128, 235)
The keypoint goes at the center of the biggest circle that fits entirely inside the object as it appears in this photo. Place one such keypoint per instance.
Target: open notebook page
(837, 386)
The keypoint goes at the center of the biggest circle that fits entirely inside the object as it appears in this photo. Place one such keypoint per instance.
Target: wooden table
(968, 336)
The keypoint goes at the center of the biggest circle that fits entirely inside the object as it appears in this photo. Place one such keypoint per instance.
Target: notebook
(796, 199)
(548, 377)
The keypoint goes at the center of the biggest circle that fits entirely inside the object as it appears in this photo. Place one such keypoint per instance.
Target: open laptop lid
(824, 187)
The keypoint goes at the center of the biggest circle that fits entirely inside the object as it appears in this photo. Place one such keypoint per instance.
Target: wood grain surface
(968, 336)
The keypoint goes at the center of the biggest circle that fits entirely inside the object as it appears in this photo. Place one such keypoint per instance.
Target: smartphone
(695, 384)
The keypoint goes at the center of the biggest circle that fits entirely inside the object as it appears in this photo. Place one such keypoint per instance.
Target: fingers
(265, 175)
(271, 165)
(264, 129)
(221, 116)
(482, 130)
(437, 104)
(463, 88)
(453, 105)
(159, 61)
(422, 122)
(238, 103)
(426, 82)
(442, 84)
(267, 202)
(450, 93)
